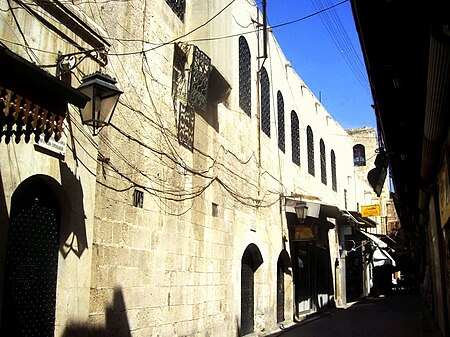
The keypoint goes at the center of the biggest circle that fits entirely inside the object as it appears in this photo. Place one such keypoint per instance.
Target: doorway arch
(29, 291)
(251, 260)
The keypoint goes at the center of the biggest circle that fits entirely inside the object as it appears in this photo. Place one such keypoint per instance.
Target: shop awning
(381, 257)
(375, 240)
(363, 221)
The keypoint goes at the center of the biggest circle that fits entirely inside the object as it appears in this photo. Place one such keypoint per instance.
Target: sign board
(302, 233)
(373, 210)
(58, 147)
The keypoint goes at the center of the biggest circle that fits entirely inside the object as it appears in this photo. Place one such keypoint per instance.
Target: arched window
(359, 155)
(245, 77)
(265, 102)
(295, 137)
(323, 163)
(310, 144)
(333, 171)
(281, 131)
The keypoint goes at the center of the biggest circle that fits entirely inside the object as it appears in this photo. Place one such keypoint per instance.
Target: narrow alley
(402, 315)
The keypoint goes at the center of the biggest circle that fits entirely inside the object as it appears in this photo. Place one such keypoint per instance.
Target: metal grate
(247, 298)
(295, 138)
(310, 144)
(198, 83)
(265, 102)
(138, 199)
(31, 273)
(178, 7)
(323, 163)
(280, 291)
(179, 70)
(333, 171)
(281, 130)
(186, 125)
(245, 78)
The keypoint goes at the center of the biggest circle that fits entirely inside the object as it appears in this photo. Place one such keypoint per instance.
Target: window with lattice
(245, 77)
(295, 138)
(178, 7)
(281, 130)
(310, 145)
(323, 163)
(359, 155)
(333, 171)
(265, 102)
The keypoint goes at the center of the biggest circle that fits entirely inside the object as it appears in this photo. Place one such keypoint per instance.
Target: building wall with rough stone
(368, 138)
(171, 265)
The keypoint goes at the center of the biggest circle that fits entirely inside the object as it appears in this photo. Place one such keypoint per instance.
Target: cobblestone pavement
(395, 316)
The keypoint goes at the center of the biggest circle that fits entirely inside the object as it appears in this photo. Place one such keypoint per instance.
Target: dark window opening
(310, 144)
(323, 163)
(295, 137)
(359, 155)
(281, 128)
(178, 7)
(333, 171)
(245, 78)
(265, 102)
(138, 199)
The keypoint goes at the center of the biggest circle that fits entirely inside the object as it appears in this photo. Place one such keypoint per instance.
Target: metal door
(247, 299)
(280, 291)
(31, 269)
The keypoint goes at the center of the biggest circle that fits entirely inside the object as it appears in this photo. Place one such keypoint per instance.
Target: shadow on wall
(4, 220)
(116, 322)
(73, 227)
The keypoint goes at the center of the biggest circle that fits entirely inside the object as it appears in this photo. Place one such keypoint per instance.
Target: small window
(214, 210)
(295, 138)
(359, 155)
(310, 144)
(138, 199)
(265, 102)
(281, 130)
(333, 171)
(323, 163)
(245, 77)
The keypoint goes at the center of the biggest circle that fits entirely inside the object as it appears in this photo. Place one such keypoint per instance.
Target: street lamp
(104, 95)
(301, 210)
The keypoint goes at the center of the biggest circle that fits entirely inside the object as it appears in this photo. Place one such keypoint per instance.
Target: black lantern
(301, 210)
(104, 95)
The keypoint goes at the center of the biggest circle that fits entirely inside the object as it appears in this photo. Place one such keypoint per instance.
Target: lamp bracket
(68, 62)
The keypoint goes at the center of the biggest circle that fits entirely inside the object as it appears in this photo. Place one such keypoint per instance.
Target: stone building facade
(175, 219)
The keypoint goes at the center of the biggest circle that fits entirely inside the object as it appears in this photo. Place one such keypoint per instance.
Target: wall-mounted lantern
(301, 210)
(104, 95)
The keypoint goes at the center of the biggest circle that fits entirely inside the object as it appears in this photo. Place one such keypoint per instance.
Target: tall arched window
(245, 77)
(359, 155)
(323, 163)
(333, 171)
(265, 102)
(310, 144)
(295, 137)
(281, 131)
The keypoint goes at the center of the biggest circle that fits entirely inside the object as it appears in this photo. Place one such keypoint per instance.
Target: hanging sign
(373, 210)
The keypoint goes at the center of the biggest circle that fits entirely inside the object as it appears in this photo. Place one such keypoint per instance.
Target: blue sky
(319, 60)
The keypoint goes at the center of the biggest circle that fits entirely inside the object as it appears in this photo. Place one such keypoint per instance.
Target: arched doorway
(29, 290)
(251, 260)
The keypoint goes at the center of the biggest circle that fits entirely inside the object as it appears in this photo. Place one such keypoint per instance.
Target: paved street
(399, 316)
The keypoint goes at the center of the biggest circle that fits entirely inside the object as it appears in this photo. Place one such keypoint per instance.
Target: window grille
(295, 138)
(359, 155)
(281, 130)
(333, 171)
(265, 102)
(178, 7)
(138, 199)
(310, 144)
(323, 163)
(245, 78)
(198, 83)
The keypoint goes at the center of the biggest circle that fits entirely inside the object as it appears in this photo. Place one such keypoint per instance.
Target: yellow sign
(373, 210)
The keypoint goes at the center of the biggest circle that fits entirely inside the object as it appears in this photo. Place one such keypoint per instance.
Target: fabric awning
(363, 221)
(381, 257)
(375, 240)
